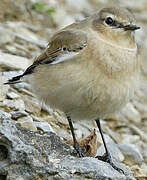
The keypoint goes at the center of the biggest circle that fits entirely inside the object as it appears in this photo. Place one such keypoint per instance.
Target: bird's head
(116, 25)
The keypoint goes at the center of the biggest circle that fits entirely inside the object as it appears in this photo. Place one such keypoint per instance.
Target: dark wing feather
(61, 43)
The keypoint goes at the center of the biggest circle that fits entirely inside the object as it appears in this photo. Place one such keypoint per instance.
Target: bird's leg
(76, 144)
(106, 157)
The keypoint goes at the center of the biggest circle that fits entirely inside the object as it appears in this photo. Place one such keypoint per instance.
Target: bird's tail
(14, 80)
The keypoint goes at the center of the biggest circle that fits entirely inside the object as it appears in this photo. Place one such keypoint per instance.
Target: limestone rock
(44, 126)
(26, 155)
(131, 153)
(12, 62)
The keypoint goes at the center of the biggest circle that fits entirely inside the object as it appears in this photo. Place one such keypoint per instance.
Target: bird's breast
(114, 78)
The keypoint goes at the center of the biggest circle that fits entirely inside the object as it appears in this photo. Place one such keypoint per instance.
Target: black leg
(76, 144)
(106, 157)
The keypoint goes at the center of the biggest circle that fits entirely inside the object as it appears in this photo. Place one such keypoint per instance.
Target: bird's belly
(111, 99)
(102, 102)
(82, 98)
(89, 103)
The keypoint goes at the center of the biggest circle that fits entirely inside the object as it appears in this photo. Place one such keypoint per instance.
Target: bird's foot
(79, 150)
(107, 158)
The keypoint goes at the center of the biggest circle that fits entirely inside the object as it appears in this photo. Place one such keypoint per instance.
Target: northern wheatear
(89, 69)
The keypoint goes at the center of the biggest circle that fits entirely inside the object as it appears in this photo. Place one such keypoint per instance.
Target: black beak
(131, 27)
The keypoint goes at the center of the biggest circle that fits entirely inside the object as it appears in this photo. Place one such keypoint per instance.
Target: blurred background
(25, 29)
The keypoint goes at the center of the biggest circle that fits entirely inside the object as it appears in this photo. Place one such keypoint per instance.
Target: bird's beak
(131, 27)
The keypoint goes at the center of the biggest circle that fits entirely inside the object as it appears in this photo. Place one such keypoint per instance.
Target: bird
(89, 70)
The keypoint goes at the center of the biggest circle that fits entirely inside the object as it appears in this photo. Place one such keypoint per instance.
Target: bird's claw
(107, 158)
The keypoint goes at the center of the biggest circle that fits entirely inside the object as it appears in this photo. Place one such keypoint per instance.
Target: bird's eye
(109, 21)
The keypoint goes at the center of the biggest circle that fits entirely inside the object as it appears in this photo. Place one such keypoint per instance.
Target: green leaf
(38, 7)
(50, 11)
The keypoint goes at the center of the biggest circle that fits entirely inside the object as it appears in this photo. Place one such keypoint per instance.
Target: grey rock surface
(31, 155)
(131, 152)
(18, 114)
(44, 126)
(4, 115)
(10, 62)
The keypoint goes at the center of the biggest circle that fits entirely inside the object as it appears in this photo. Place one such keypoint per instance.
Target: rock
(140, 173)
(131, 153)
(18, 114)
(5, 36)
(12, 62)
(22, 85)
(129, 139)
(144, 150)
(4, 115)
(32, 105)
(80, 130)
(10, 74)
(33, 155)
(44, 126)
(138, 131)
(12, 95)
(16, 104)
(61, 118)
(91, 168)
(27, 122)
(63, 133)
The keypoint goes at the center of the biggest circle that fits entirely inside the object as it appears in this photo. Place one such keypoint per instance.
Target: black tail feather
(15, 79)
(29, 70)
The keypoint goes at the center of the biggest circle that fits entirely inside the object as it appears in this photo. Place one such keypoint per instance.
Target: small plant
(40, 7)
(50, 11)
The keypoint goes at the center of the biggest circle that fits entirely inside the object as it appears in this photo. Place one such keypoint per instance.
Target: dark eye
(109, 21)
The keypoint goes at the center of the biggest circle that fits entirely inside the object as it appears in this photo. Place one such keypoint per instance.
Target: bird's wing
(61, 47)
(62, 43)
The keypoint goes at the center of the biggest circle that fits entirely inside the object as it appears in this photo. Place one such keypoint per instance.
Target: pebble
(27, 122)
(63, 133)
(80, 130)
(22, 85)
(5, 36)
(44, 126)
(18, 114)
(20, 178)
(61, 118)
(130, 139)
(10, 74)
(15, 105)
(12, 62)
(140, 172)
(131, 153)
(12, 95)
(139, 132)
